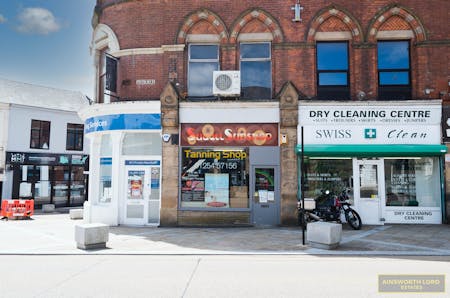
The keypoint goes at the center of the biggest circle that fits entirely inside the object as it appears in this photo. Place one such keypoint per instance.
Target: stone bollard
(48, 208)
(76, 213)
(324, 235)
(91, 235)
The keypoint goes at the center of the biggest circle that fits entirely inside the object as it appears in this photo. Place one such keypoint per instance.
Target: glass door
(369, 191)
(142, 192)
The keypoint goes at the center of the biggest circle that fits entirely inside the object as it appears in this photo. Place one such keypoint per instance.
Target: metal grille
(223, 82)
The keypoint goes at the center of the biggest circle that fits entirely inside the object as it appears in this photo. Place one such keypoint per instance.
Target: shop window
(35, 184)
(77, 186)
(105, 173)
(74, 140)
(332, 71)
(214, 178)
(412, 182)
(334, 175)
(40, 134)
(394, 80)
(60, 185)
(203, 61)
(256, 70)
(142, 144)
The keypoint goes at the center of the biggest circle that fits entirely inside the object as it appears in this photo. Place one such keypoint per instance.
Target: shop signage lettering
(333, 134)
(229, 134)
(218, 155)
(44, 158)
(122, 121)
(401, 134)
(413, 215)
(362, 113)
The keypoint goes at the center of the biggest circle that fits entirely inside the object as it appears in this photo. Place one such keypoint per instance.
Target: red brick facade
(152, 24)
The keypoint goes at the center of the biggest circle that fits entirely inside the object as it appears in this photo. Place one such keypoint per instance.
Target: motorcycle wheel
(353, 219)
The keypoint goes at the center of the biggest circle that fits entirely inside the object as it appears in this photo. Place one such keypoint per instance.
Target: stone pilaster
(170, 151)
(288, 127)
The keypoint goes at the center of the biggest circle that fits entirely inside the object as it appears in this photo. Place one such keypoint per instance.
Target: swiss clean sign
(367, 124)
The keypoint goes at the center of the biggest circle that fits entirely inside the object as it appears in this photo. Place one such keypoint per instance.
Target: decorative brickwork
(389, 18)
(334, 19)
(246, 23)
(202, 22)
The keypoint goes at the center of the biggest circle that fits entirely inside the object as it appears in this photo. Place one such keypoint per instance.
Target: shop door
(266, 195)
(142, 195)
(369, 191)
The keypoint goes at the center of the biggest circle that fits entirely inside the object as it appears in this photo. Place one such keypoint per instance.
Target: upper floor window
(40, 134)
(332, 70)
(107, 77)
(203, 61)
(256, 70)
(394, 80)
(74, 139)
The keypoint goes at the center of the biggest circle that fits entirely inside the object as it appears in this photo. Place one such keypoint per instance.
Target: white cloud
(36, 20)
(2, 19)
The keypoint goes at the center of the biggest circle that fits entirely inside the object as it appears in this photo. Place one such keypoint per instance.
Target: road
(208, 276)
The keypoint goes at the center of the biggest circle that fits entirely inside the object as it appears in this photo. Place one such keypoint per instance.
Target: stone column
(170, 161)
(288, 127)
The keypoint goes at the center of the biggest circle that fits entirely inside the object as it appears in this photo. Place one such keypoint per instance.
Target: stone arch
(202, 21)
(260, 20)
(395, 17)
(337, 18)
(104, 37)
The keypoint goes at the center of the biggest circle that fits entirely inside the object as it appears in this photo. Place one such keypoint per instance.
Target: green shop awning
(356, 150)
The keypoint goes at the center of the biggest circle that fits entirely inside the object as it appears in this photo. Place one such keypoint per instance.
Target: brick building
(174, 143)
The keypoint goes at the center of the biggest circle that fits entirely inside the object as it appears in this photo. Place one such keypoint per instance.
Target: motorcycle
(329, 207)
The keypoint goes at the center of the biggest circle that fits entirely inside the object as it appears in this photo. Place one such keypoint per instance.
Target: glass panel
(77, 189)
(142, 144)
(154, 183)
(106, 147)
(135, 190)
(135, 211)
(368, 181)
(332, 56)
(105, 193)
(332, 79)
(394, 78)
(265, 184)
(204, 52)
(412, 182)
(214, 178)
(334, 175)
(393, 54)
(256, 79)
(255, 50)
(60, 193)
(201, 78)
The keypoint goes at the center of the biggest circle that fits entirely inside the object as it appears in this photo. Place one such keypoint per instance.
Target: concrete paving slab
(54, 234)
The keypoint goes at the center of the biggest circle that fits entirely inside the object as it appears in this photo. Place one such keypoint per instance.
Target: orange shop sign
(226, 134)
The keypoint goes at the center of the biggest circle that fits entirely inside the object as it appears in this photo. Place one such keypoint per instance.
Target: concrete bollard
(91, 235)
(48, 208)
(324, 235)
(76, 213)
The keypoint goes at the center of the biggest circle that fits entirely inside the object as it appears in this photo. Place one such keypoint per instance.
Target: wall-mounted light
(297, 8)
(427, 91)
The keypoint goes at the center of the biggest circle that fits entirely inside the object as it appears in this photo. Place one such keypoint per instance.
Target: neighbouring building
(200, 106)
(43, 155)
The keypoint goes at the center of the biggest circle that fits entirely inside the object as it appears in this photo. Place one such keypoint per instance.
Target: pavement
(53, 234)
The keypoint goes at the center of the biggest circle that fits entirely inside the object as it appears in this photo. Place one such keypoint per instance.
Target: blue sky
(46, 42)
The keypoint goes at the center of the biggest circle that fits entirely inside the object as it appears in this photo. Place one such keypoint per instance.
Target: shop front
(47, 178)
(230, 174)
(389, 154)
(125, 163)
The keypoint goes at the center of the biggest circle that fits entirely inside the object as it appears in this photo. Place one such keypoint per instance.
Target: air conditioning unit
(227, 83)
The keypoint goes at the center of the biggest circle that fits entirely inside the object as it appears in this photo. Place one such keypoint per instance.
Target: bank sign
(364, 124)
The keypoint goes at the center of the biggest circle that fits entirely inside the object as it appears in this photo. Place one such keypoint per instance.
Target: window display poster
(216, 190)
(193, 188)
(135, 184)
